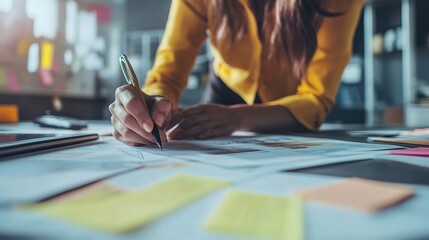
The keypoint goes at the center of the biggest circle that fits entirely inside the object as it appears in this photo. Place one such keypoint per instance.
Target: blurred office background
(61, 56)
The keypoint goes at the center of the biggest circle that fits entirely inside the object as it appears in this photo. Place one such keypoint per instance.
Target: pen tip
(160, 146)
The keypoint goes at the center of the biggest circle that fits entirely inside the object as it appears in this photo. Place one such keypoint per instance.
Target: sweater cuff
(307, 109)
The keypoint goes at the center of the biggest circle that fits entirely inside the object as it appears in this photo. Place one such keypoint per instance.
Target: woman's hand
(205, 121)
(131, 122)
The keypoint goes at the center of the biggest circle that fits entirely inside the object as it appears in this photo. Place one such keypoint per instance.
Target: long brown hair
(290, 26)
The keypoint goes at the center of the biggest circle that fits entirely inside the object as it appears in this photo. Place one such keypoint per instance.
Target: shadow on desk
(374, 169)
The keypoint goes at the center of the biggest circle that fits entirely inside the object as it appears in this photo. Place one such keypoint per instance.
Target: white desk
(409, 220)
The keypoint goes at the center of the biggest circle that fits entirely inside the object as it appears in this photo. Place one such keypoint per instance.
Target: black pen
(131, 78)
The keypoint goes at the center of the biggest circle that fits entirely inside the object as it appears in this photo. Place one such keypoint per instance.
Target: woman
(277, 68)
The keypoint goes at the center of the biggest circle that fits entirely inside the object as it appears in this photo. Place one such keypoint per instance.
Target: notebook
(12, 144)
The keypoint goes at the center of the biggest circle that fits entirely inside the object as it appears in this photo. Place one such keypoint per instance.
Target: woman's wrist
(264, 118)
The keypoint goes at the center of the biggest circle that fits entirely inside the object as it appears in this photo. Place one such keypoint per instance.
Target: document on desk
(257, 215)
(33, 180)
(154, 172)
(236, 152)
(37, 177)
(123, 211)
(44, 175)
(409, 141)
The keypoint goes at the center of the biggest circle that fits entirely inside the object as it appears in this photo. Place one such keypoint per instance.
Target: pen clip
(128, 71)
(131, 77)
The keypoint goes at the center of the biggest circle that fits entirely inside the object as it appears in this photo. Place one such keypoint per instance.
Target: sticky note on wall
(47, 56)
(46, 77)
(23, 46)
(3, 82)
(104, 12)
(13, 82)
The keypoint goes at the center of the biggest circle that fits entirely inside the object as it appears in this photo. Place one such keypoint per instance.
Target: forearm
(266, 119)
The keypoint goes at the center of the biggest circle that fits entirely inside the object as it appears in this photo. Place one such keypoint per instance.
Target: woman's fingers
(187, 133)
(214, 132)
(192, 115)
(120, 138)
(131, 119)
(130, 98)
(176, 117)
(160, 111)
(121, 118)
(128, 135)
(191, 128)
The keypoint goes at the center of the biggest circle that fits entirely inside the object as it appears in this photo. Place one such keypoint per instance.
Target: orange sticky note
(23, 45)
(9, 114)
(47, 56)
(360, 194)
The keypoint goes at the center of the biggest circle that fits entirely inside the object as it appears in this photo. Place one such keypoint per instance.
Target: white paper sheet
(40, 176)
(43, 175)
(239, 152)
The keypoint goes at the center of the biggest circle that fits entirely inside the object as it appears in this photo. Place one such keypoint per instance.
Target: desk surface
(408, 220)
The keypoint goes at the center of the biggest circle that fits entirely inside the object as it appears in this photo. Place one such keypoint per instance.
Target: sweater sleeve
(184, 34)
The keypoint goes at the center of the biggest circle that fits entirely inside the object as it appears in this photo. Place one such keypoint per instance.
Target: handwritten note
(359, 194)
(116, 211)
(258, 215)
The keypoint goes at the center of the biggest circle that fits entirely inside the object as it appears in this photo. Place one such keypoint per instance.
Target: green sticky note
(3, 79)
(257, 215)
(118, 212)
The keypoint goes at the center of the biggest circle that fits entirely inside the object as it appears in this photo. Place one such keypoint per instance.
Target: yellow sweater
(245, 71)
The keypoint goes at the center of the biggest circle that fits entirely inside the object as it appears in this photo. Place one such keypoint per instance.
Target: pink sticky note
(421, 151)
(57, 65)
(46, 77)
(13, 82)
(63, 86)
(103, 11)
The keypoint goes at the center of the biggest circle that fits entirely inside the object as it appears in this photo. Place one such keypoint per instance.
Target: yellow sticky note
(257, 215)
(115, 211)
(47, 56)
